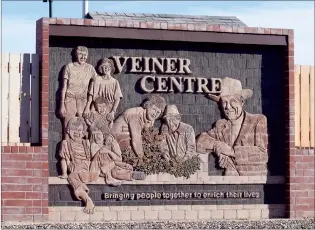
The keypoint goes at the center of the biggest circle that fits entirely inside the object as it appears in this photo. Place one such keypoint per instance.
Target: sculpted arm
(205, 141)
(136, 137)
(65, 77)
(118, 95)
(191, 141)
(90, 97)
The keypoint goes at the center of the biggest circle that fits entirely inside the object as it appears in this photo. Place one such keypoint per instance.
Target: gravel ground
(261, 224)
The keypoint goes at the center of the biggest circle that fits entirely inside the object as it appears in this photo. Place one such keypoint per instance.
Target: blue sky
(22, 16)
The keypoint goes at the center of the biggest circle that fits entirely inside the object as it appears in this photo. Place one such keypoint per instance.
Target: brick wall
(300, 162)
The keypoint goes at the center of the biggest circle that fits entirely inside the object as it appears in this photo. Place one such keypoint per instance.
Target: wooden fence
(304, 106)
(19, 99)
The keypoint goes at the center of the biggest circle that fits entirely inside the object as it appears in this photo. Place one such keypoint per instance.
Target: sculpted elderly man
(179, 138)
(75, 82)
(240, 139)
(128, 127)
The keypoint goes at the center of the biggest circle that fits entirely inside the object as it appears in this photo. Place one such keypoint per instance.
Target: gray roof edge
(233, 20)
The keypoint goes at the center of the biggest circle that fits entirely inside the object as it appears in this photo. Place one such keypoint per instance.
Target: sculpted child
(76, 158)
(75, 80)
(107, 160)
(106, 87)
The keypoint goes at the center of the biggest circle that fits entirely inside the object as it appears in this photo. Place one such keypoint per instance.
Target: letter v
(118, 64)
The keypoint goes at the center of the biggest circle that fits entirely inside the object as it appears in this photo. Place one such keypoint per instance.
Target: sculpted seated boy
(76, 158)
(107, 159)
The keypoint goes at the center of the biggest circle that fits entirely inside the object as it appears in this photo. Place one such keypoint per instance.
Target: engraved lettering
(184, 66)
(170, 65)
(143, 85)
(118, 63)
(135, 65)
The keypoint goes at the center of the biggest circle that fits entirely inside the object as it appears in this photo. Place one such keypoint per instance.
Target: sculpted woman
(104, 87)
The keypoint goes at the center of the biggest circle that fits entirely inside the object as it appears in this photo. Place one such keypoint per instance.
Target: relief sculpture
(75, 82)
(130, 146)
(128, 127)
(240, 139)
(179, 137)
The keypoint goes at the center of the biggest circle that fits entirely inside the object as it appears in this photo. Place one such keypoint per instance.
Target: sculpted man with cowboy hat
(240, 139)
(179, 137)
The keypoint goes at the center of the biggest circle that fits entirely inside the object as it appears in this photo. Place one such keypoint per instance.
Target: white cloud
(286, 15)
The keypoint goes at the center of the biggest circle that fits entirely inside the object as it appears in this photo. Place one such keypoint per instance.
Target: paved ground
(261, 224)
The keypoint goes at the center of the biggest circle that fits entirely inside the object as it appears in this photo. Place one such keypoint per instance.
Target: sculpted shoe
(138, 175)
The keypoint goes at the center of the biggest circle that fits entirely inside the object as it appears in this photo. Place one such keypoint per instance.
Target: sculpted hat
(171, 110)
(229, 87)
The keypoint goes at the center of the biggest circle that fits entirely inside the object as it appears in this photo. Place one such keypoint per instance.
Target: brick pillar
(24, 169)
(300, 184)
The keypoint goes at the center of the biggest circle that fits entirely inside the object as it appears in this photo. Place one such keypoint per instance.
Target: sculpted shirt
(78, 77)
(181, 142)
(106, 88)
(76, 152)
(131, 122)
(129, 126)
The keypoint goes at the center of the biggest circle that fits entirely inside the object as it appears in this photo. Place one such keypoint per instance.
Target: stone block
(217, 214)
(96, 216)
(178, 215)
(191, 215)
(165, 215)
(137, 215)
(255, 214)
(123, 215)
(54, 216)
(229, 214)
(204, 214)
(156, 208)
(184, 207)
(67, 216)
(110, 216)
(81, 217)
(242, 214)
(265, 214)
(151, 215)
(223, 207)
(171, 207)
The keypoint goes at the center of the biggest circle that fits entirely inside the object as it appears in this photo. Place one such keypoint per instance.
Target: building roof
(170, 18)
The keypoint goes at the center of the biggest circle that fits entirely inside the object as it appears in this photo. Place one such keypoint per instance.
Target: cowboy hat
(171, 110)
(230, 86)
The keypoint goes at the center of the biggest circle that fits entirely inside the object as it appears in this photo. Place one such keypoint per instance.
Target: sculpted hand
(71, 167)
(86, 112)
(223, 161)
(222, 148)
(63, 110)
(110, 116)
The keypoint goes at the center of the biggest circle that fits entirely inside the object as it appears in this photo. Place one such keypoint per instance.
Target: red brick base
(300, 184)
(24, 178)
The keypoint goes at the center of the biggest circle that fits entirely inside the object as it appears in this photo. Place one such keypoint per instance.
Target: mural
(129, 146)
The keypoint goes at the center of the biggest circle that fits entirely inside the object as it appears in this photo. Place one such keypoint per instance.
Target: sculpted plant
(154, 162)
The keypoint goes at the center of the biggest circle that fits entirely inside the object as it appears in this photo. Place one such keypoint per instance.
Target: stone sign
(128, 146)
